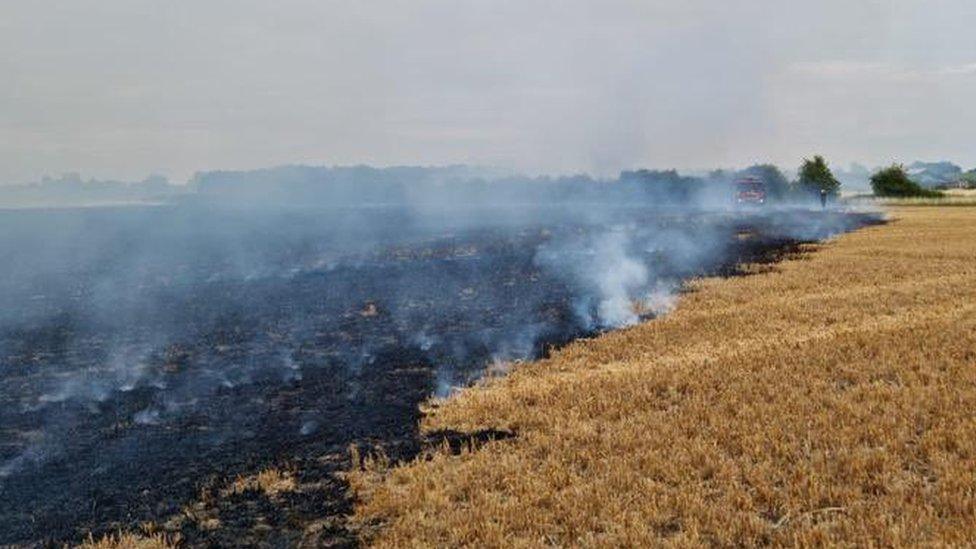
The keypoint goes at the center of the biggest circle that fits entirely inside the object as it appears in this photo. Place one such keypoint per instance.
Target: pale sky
(125, 88)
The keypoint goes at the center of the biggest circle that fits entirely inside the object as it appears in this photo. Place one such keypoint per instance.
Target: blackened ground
(238, 374)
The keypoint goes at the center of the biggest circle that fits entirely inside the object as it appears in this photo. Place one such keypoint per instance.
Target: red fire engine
(750, 190)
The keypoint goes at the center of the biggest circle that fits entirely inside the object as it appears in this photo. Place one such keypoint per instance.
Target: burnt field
(150, 356)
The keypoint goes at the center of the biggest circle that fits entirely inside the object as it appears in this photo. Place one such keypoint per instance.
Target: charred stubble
(286, 372)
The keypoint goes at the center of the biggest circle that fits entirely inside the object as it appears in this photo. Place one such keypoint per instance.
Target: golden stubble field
(829, 400)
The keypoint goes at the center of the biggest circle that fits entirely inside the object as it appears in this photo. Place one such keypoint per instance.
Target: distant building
(935, 174)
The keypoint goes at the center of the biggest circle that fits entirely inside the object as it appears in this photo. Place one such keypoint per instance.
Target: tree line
(815, 178)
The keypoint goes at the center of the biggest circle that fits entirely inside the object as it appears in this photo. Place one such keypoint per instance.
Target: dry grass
(270, 481)
(953, 197)
(829, 401)
(131, 541)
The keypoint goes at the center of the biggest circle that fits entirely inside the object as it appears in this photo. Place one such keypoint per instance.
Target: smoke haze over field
(117, 89)
(155, 338)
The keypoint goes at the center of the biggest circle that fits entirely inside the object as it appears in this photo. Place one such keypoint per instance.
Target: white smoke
(618, 277)
(612, 271)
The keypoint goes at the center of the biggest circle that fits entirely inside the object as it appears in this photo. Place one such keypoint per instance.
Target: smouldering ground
(829, 400)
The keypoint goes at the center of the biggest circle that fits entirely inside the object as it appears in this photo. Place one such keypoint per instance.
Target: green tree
(969, 179)
(894, 181)
(815, 176)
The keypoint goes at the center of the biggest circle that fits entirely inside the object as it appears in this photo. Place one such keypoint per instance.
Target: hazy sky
(124, 88)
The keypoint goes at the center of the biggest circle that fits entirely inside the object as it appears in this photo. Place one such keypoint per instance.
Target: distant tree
(719, 175)
(815, 176)
(969, 179)
(777, 186)
(155, 182)
(663, 185)
(894, 181)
